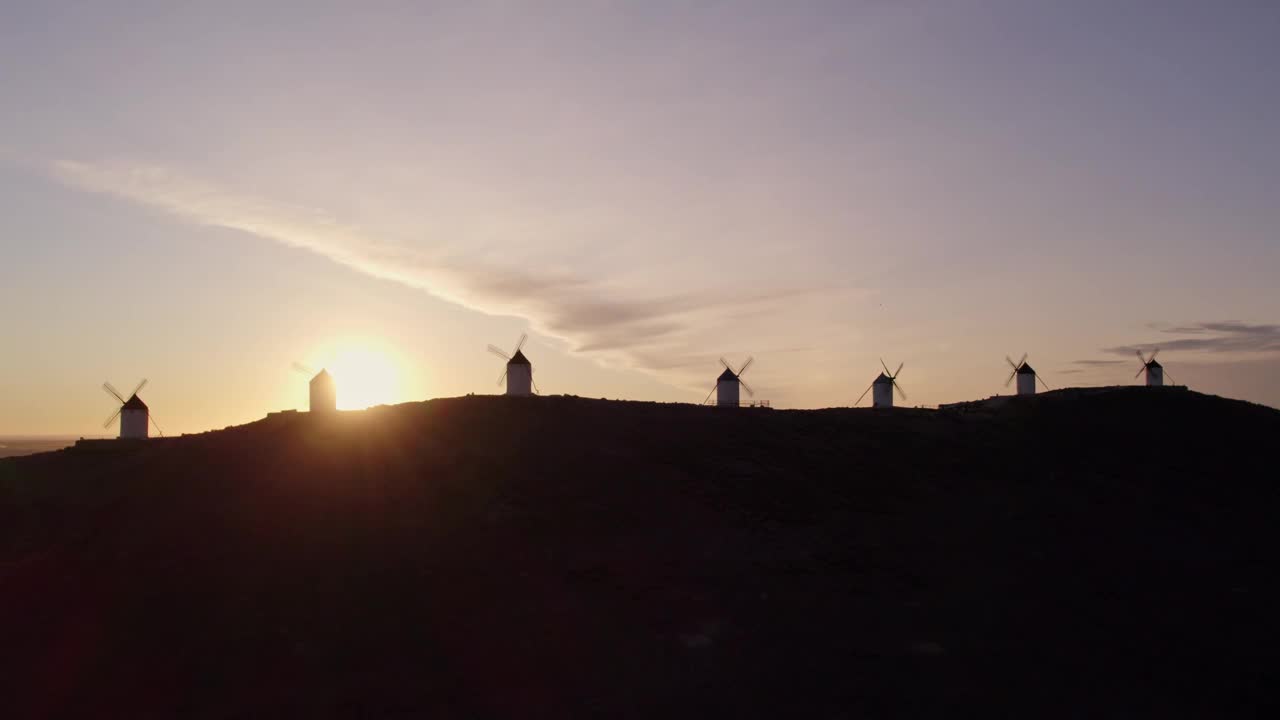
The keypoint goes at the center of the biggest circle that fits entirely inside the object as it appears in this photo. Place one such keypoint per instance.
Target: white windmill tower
(1153, 369)
(726, 387)
(135, 418)
(1026, 375)
(882, 388)
(323, 391)
(518, 372)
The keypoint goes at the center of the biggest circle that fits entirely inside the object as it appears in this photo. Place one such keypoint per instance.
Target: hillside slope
(1107, 553)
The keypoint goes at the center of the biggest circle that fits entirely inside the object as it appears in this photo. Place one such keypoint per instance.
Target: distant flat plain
(15, 445)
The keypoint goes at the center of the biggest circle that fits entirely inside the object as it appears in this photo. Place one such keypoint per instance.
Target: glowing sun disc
(365, 377)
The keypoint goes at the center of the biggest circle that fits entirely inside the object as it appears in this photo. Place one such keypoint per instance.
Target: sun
(365, 376)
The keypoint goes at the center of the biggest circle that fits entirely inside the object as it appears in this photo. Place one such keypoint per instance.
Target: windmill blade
(520, 344)
(1010, 361)
(1142, 370)
(1141, 358)
(745, 365)
(1006, 382)
(111, 390)
(886, 368)
(898, 387)
(746, 387)
(498, 351)
(1023, 361)
(708, 397)
(1154, 353)
(1042, 382)
(502, 377)
(302, 369)
(140, 386)
(864, 394)
(726, 364)
(153, 422)
(536, 391)
(898, 371)
(1166, 376)
(114, 415)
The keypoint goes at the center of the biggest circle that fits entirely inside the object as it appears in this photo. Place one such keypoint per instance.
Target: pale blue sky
(201, 195)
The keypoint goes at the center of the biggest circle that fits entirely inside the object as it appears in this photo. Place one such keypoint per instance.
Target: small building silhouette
(134, 419)
(727, 389)
(324, 393)
(519, 375)
(1026, 379)
(882, 392)
(1155, 373)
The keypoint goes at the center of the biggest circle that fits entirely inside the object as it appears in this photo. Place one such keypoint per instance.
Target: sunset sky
(202, 196)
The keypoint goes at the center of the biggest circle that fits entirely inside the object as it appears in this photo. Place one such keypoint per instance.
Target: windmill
(323, 390)
(726, 387)
(135, 418)
(1153, 369)
(883, 387)
(519, 371)
(1026, 375)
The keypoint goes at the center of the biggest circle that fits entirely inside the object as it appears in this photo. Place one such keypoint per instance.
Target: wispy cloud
(649, 333)
(1090, 366)
(1212, 337)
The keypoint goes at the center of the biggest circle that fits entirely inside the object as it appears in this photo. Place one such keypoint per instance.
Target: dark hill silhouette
(1101, 553)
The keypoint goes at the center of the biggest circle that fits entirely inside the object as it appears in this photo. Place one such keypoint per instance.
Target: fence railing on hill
(752, 404)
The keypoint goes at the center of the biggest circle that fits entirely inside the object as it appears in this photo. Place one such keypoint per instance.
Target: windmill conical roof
(322, 376)
(134, 403)
(882, 379)
(1154, 364)
(518, 359)
(1026, 369)
(726, 375)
